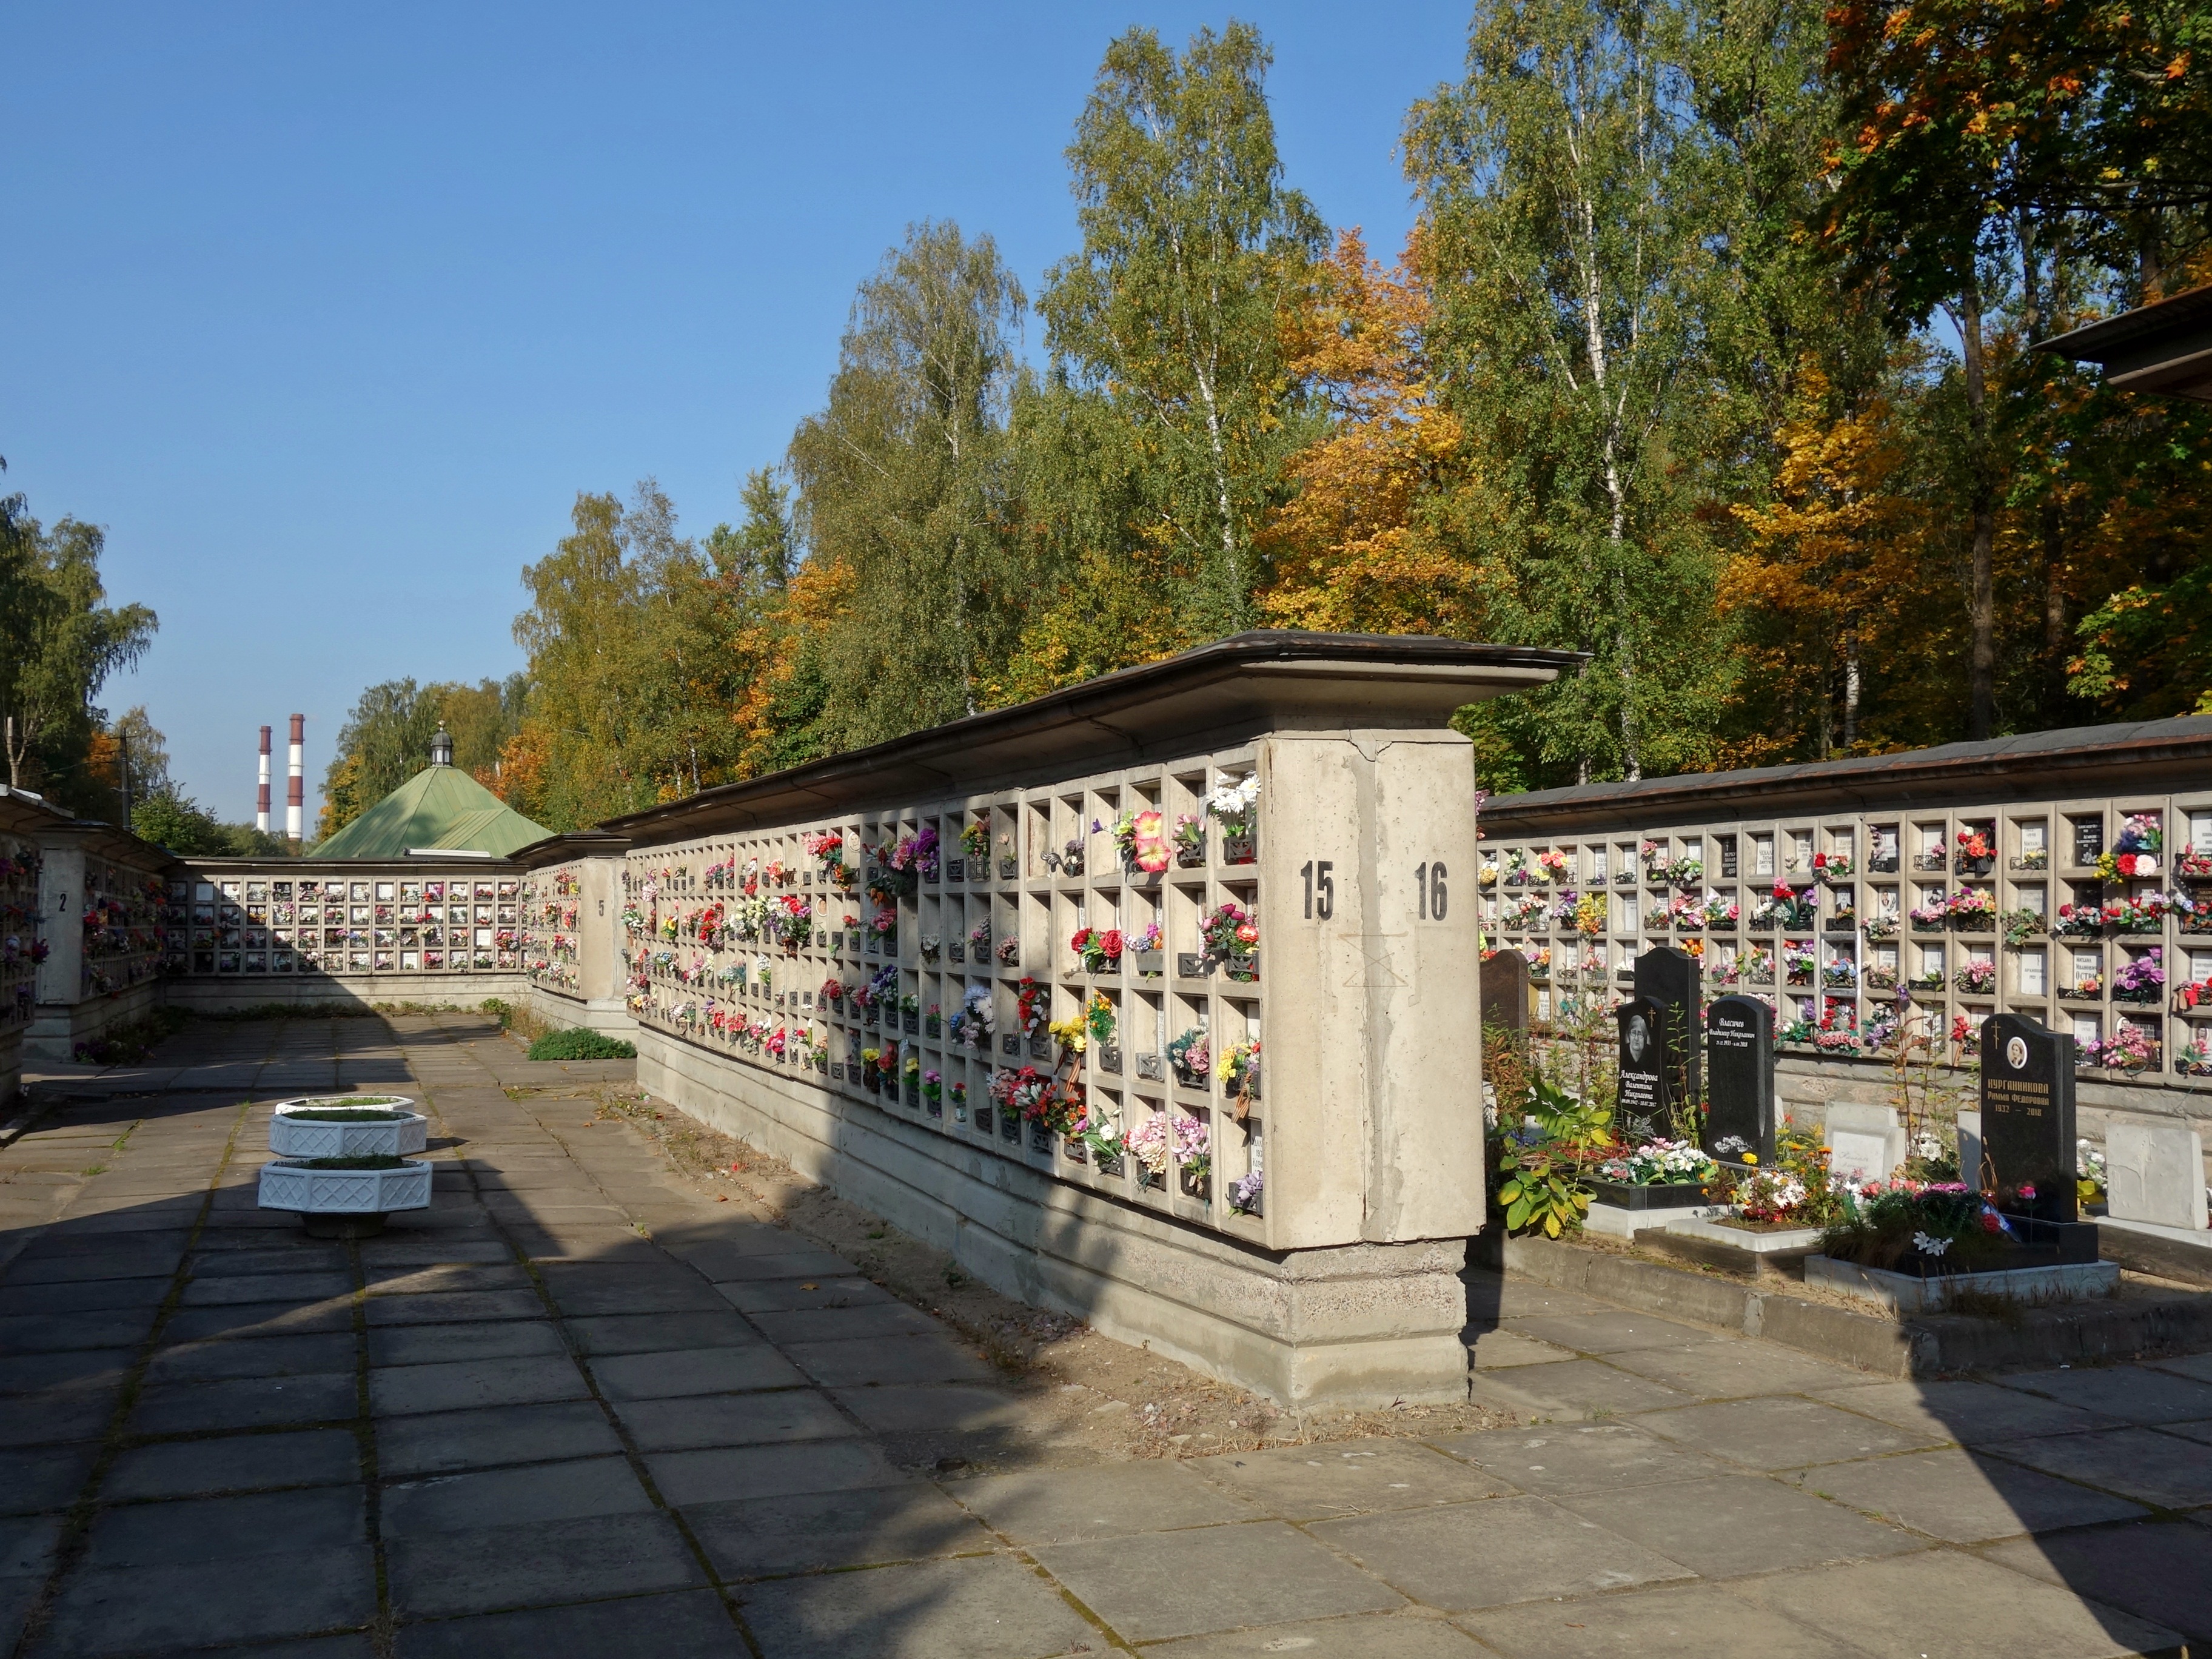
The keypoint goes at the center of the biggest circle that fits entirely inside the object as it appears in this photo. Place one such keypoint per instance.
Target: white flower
(1928, 1246)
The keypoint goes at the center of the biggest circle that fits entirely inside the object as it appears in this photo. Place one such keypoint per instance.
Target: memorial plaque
(1740, 1079)
(1504, 992)
(1641, 1109)
(1671, 976)
(2028, 1119)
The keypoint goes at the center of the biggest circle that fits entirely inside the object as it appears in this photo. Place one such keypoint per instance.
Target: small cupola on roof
(442, 748)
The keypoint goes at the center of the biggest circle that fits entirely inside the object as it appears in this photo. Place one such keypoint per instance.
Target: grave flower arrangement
(1192, 1058)
(793, 920)
(1840, 974)
(1073, 1035)
(1246, 1192)
(827, 849)
(1838, 1032)
(979, 939)
(1661, 1163)
(1163, 1137)
(1784, 906)
(1932, 917)
(1232, 934)
(1973, 850)
(1031, 1002)
(2035, 858)
(1974, 909)
(1240, 1074)
(1525, 911)
(2135, 850)
(1099, 1018)
(1590, 914)
(1720, 912)
(2018, 926)
(1100, 949)
(2079, 921)
(1551, 865)
(1978, 977)
(2130, 1049)
(1189, 839)
(1009, 951)
(2195, 1059)
(1684, 873)
(933, 947)
(976, 839)
(1797, 962)
(2193, 865)
(1758, 965)
(883, 926)
(1137, 837)
(1882, 1027)
(1540, 960)
(2142, 979)
(1150, 942)
(1234, 807)
(932, 1091)
(1561, 909)
(1831, 867)
(1518, 872)
(1069, 861)
(1907, 1227)
(2146, 915)
(1685, 914)
(2197, 993)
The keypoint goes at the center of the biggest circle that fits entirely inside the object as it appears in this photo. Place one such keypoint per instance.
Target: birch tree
(1193, 245)
(1570, 258)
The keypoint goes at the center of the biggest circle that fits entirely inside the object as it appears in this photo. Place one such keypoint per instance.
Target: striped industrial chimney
(295, 782)
(261, 796)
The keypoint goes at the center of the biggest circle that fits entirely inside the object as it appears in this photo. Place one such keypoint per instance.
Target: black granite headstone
(1642, 1107)
(2028, 1119)
(1740, 1079)
(1504, 993)
(1672, 976)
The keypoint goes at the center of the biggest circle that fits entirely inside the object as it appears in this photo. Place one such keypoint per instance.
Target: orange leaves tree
(1367, 544)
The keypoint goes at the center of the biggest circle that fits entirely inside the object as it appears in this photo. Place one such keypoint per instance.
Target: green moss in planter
(581, 1042)
(376, 1161)
(356, 1115)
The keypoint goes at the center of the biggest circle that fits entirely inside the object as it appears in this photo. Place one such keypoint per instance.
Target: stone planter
(910, 1023)
(1660, 1195)
(396, 1131)
(1148, 962)
(1110, 1058)
(1907, 1293)
(344, 1203)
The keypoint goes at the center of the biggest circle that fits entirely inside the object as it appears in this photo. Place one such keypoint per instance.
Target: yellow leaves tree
(1834, 573)
(1366, 544)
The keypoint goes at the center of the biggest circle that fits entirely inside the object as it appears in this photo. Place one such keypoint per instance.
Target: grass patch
(582, 1042)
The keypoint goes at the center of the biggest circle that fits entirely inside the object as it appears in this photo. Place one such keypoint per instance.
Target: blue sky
(327, 313)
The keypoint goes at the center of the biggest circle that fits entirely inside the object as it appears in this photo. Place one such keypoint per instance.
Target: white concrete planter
(1615, 1222)
(291, 1136)
(1902, 1293)
(1782, 1241)
(290, 1184)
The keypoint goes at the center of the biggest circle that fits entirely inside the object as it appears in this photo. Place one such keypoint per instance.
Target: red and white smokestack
(261, 797)
(295, 782)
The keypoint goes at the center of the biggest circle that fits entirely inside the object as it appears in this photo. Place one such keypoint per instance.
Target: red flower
(1112, 942)
(1247, 935)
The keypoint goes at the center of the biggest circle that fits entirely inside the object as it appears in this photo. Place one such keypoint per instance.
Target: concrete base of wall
(226, 993)
(608, 1015)
(56, 1028)
(1805, 1087)
(1360, 1325)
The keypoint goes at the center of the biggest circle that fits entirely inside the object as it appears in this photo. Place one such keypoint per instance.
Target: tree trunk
(1851, 686)
(1981, 606)
(2054, 604)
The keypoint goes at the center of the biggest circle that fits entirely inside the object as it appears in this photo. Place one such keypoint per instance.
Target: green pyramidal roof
(439, 806)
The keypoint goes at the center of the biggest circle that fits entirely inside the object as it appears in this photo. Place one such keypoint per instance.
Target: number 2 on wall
(1430, 879)
(1320, 890)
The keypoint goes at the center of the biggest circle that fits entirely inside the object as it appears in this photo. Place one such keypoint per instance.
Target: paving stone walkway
(580, 1407)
